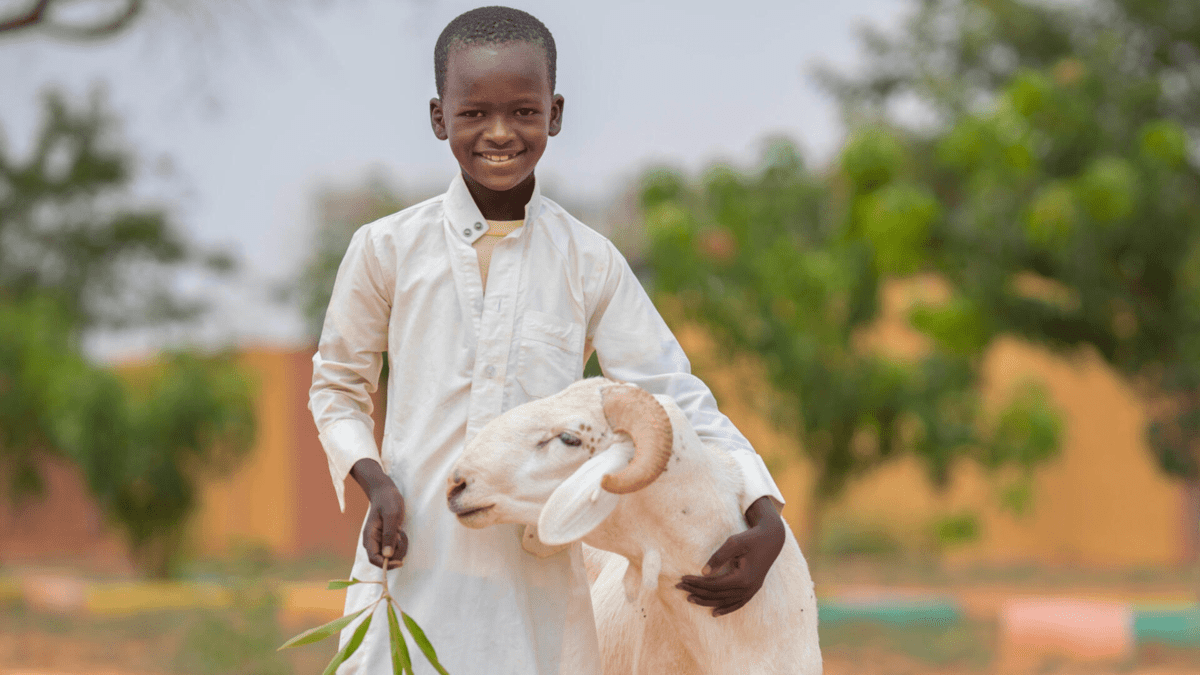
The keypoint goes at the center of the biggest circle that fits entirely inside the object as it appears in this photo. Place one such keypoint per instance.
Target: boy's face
(497, 111)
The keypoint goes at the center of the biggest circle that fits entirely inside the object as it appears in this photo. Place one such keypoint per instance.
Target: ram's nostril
(456, 487)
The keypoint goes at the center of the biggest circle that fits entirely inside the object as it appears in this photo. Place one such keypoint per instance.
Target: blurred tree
(1061, 162)
(339, 214)
(76, 254)
(144, 442)
(70, 228)
(769, 263)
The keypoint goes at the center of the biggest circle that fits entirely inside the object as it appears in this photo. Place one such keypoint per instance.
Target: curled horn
(634, 411)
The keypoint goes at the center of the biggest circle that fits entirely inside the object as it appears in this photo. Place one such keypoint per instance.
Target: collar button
(466, 233)
(479, 226)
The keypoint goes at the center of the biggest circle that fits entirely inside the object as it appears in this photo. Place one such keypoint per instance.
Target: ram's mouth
(466, 515)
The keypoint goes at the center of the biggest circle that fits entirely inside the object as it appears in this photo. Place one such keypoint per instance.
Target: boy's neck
(506, 205)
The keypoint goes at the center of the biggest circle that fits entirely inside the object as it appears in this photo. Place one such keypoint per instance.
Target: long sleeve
(634, 344)
(349, 357)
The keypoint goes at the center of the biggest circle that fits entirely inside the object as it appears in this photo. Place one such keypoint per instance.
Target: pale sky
(255, 109)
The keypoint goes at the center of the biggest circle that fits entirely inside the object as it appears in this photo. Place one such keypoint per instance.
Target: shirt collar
(465, 220)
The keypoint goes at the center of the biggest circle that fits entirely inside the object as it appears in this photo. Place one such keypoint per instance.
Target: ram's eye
(568, 439)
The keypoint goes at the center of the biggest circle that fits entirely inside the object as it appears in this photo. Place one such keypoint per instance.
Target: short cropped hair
(491, 26)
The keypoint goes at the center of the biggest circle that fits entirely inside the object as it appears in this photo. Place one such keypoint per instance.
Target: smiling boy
(485, 297)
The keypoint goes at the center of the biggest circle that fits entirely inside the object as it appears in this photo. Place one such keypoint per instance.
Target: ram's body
(653, 535)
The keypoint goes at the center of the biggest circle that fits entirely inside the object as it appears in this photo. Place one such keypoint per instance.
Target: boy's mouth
(498, 158)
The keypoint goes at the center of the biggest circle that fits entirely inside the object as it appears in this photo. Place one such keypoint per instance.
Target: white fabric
(484, 245)
(410, 284)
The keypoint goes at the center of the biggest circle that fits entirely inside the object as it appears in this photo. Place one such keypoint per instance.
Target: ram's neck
(684, 515)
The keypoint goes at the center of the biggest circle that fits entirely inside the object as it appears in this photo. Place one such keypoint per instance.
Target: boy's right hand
(383, 534)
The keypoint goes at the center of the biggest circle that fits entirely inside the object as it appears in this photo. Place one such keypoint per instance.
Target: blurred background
(938, 259)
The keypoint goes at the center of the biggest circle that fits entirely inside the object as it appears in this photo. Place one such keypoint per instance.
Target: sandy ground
(42, 653)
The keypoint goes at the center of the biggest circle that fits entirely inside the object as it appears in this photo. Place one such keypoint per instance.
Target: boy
(484, 298)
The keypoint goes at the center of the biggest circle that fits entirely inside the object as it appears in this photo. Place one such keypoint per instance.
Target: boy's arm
(349, 358)
(634, 344)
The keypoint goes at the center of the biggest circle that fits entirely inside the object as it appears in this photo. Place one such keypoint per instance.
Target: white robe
(410, 285)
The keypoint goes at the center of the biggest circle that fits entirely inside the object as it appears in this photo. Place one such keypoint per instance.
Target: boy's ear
(579, 504)
(556, 114)
(436, 120)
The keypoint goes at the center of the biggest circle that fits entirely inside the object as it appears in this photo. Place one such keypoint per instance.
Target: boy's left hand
(751, 553)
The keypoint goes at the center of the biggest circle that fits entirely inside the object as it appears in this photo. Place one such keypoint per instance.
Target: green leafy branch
(401, 662)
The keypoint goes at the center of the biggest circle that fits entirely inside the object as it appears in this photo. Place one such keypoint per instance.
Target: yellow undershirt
(497, 229)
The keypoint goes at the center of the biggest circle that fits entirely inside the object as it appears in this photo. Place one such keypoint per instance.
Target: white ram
(623, 471)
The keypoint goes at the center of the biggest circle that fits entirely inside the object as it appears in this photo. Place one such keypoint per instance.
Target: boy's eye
(568, 439)
(525, 112)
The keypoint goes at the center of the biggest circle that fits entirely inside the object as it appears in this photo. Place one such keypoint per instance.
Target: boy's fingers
(725, 594)
(722, 611)
(732, 548)
(733, 579)
(401, 548)
(370, 536)
(395, 552)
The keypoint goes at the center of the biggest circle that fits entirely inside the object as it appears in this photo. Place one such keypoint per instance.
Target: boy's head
(491, 26)
(495, 70)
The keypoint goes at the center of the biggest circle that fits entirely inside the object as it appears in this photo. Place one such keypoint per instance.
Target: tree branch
(27, 20)
(37, 16)
(114, 25)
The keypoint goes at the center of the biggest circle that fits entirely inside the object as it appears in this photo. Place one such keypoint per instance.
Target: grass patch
(963, 644)
(237, 640)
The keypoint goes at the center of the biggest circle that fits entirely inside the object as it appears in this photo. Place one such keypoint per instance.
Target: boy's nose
(499, 132)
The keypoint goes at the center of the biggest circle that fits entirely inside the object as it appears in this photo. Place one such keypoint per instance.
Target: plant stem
(386, 596)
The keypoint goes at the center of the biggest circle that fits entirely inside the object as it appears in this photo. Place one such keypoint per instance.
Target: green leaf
(339, 584)
(355, 640)
(872, 157)
(321, 632)
(423, 643)
(401, 662)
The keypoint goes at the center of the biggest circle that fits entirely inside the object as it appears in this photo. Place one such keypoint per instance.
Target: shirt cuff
(759, 482)
(346, 441)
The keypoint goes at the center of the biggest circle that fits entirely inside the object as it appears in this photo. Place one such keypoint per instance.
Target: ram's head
(560, 462)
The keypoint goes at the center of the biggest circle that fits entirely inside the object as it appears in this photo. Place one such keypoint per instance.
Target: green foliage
(401, 660)
(846, 539)
(32, 344)
(323, 631)
(784, 264)
(896, 219)
(239, 640)
(142, 446)
(1071, 121)
(71, 230)
(958, 327)
(75, 254)
(871, 158)
(956, 529)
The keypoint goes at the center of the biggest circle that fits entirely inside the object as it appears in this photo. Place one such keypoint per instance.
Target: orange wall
(1102, 502)
(282, 497)
(257, 503)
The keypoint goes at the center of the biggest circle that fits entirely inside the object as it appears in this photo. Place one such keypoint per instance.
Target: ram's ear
(579, 504)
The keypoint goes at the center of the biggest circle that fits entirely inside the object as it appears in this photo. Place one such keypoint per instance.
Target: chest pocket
(551, 354)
